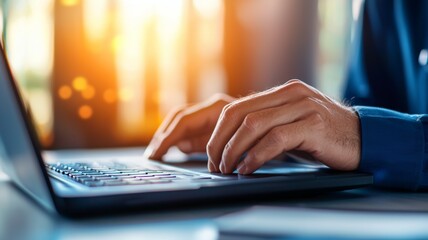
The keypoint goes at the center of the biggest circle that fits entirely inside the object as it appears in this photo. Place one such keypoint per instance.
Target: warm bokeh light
(85, 112)
(126, 94)
(88, 92)
(65, 92)
(110, 96)
(117, 44)
(208, 8)
(79, 83)
(132, 61)
(70, 3)
(160, 54)
(96, 17)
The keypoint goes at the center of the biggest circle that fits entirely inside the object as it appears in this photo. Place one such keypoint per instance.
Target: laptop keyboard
(104, 176)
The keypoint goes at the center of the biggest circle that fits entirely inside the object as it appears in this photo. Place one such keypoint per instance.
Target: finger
(164, 125)
(278, 140)
(194, 144)
(170, 118)
(257, 124)
(191, 122)
(233, 114)
(180, 128)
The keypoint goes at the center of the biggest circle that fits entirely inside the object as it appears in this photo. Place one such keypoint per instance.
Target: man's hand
(189, 127)
(290, 117)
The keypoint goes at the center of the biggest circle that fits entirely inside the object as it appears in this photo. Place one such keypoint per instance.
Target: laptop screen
(20, 157)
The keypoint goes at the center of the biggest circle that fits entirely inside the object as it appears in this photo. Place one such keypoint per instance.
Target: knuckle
(299, 87)
(310, 104)
(210, 148)
(227, 150)
(182, 117)
(230, 112)
(252, 122)
(179, 109)
(276, 136)
(317, 121)
(285, 86)
(218, 96)
(318, 118)
(255, 158)
(293, 81)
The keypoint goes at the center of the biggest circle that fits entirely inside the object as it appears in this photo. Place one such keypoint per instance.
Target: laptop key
(117, 174)
(128, 171)
(94, 183)
(110, 172)
(143, 176)
(152, 171)
(106, 178)
(88, 172)
(159, 181)
(95, 175)
(125, 177)
(161, 174)
(169, 176)
(136, 181)
(114, 183)
(83, 179)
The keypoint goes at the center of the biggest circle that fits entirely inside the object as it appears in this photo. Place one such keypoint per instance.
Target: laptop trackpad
(272, 168)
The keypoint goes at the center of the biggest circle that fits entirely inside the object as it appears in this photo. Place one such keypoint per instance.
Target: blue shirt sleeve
(394, 148)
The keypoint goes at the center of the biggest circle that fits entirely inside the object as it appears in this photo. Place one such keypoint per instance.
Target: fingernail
(242, 168)
(222, 167)
(211, 167)
(148, 152)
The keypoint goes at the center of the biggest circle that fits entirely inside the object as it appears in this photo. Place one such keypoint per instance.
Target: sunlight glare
(133, 16)
(95, 14)
(207, 8)
(70, 3)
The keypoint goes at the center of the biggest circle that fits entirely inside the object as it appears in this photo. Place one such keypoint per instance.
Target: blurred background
(104, 73)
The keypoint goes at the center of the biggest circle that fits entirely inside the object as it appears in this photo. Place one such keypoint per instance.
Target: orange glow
(109, 96)
(126, 94)
(207, 8)
(80, 83)
(88, 92)
(137, 59)
(69, 3)
(65, 92)
(85, 112)
(117, 43)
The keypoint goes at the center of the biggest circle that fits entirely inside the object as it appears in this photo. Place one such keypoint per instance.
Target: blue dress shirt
(387, 84)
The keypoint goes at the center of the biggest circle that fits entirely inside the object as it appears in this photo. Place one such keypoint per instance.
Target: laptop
(79, 184)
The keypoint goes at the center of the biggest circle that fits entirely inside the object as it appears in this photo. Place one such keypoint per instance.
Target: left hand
(293, 116)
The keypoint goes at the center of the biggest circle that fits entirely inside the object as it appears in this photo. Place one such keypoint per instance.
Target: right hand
(189, 128)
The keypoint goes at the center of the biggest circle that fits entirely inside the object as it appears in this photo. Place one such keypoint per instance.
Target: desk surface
(21, 218)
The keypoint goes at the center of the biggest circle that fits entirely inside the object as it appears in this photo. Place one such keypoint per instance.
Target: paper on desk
(281, 221)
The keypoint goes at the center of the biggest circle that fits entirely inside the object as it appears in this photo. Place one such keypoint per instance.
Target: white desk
(21, 218)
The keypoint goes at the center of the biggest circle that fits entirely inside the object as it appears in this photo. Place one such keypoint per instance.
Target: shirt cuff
(392, 147)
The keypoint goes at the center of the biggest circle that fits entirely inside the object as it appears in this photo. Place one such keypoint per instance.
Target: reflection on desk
(327, 224)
